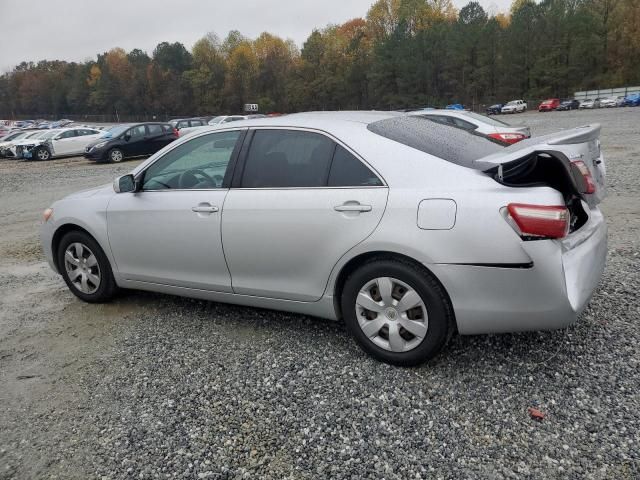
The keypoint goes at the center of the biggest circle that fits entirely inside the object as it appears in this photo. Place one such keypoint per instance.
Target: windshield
(114, 131)
(450, 143)
(215, 120)
(485, 119)
(35, 134)
(15, 136)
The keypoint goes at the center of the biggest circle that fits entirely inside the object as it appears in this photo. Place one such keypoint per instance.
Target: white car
(56, 143)
(8, 140)
(226, 119)
(515, 106)
(477, 123)
(609, 102)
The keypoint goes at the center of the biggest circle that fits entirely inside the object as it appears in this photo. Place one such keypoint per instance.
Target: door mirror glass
(124, 184)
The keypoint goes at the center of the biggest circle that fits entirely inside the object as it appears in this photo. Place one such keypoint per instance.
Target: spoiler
(574, 136)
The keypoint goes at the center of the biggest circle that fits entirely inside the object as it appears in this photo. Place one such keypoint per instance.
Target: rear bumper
(548, 295)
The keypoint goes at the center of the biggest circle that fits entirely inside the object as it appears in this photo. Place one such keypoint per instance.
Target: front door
(135, 141)
(169, 232)
(302, 202)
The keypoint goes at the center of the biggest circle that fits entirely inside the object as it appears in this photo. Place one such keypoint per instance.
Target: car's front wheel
(42, 153)
(85, 268)
(397, 311)
(115, 155)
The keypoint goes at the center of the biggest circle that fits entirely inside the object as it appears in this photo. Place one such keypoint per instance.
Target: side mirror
(124, 184)
(127, 137)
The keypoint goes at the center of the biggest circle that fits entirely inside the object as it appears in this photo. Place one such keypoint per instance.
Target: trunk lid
(533, 161)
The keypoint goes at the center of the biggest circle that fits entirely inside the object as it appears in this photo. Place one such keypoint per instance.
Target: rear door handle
(204, 208)
(352, 207)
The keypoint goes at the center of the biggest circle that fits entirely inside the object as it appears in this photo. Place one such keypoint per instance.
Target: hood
(101, 190)
(29, 141)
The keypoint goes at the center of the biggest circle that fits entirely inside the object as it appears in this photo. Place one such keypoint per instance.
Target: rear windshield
(450, 143)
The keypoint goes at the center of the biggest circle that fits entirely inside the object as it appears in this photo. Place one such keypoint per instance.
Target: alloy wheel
(391, 314)
(43, 154)
(116, 156)
(82, 268)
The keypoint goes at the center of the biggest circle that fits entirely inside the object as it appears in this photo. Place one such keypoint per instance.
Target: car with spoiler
(407, 229)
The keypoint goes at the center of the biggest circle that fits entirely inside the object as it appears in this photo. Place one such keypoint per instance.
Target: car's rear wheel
(85, 268)
(42, 154)
(397, 311)
(115, 155)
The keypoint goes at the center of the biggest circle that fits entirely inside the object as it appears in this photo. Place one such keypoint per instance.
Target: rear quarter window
(450, 143)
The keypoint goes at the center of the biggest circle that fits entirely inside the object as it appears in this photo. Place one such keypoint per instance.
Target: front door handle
(352, 207)
(204, 208)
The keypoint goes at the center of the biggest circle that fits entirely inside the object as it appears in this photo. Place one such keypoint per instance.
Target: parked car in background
(632, 100)
(454, 106)
(9, 147)
(620, 101)
(226, 119)
(130, 140)
(549, 105)
(610, 102)
(181, 123)
(569, 104)
(495, 109)
(480, 124)
(406, 229)
(7, 141)
(57, 143)
(515, 106)
(23, 123)
(590, 103)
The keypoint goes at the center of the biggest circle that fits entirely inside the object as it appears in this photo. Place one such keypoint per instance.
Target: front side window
(200, 163)
(348, 171)
(287, 158)
(155, 129)
(137, 132)
(67, 134)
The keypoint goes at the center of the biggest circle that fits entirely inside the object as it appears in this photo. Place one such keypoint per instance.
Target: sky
(77, 30)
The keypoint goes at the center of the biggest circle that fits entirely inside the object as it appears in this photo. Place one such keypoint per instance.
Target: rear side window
(287, 158)
(449, 143)
(196, 123)
(348, 171)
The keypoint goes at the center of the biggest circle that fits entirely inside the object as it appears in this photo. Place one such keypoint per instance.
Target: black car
(568, 105)
(179, 123)
(495, 109)
(132, 140)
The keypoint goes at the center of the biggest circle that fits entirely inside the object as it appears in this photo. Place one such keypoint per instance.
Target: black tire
(115, 155)
(441, 322)
(107, 288)
(42, 154)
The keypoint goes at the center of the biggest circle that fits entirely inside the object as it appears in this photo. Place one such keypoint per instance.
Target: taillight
(176, 132)
(586, 174)
(508, 138)
(540, 220)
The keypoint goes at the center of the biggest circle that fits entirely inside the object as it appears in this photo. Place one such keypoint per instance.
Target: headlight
(46, 215)
(99, 145)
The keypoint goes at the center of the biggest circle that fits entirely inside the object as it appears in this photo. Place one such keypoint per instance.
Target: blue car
(632, 100)
(454, 106)
(495, 109)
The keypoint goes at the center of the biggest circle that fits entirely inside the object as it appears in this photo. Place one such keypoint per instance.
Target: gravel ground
(153, 386)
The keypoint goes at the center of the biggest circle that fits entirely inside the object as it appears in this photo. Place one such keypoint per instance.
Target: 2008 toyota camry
(408, 229)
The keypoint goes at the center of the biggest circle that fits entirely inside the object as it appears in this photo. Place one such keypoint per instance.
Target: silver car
(481, 124)
(407, 229)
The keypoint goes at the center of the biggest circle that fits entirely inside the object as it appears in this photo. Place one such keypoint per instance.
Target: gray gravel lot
(154, 386)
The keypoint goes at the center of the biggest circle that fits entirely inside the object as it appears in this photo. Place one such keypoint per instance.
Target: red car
(549, 105)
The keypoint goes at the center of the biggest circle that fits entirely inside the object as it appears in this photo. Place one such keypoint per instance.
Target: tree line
(403, 53)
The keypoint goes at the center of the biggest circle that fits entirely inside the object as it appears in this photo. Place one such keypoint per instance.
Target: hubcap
(82, 268)
(391, 314)
(116, 155)
(43, 155)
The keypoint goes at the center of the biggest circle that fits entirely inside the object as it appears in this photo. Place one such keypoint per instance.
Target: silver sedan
(409, 230)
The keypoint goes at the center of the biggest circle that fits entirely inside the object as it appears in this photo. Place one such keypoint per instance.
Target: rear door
(83, 137)
(157, 138)
(298, 203)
